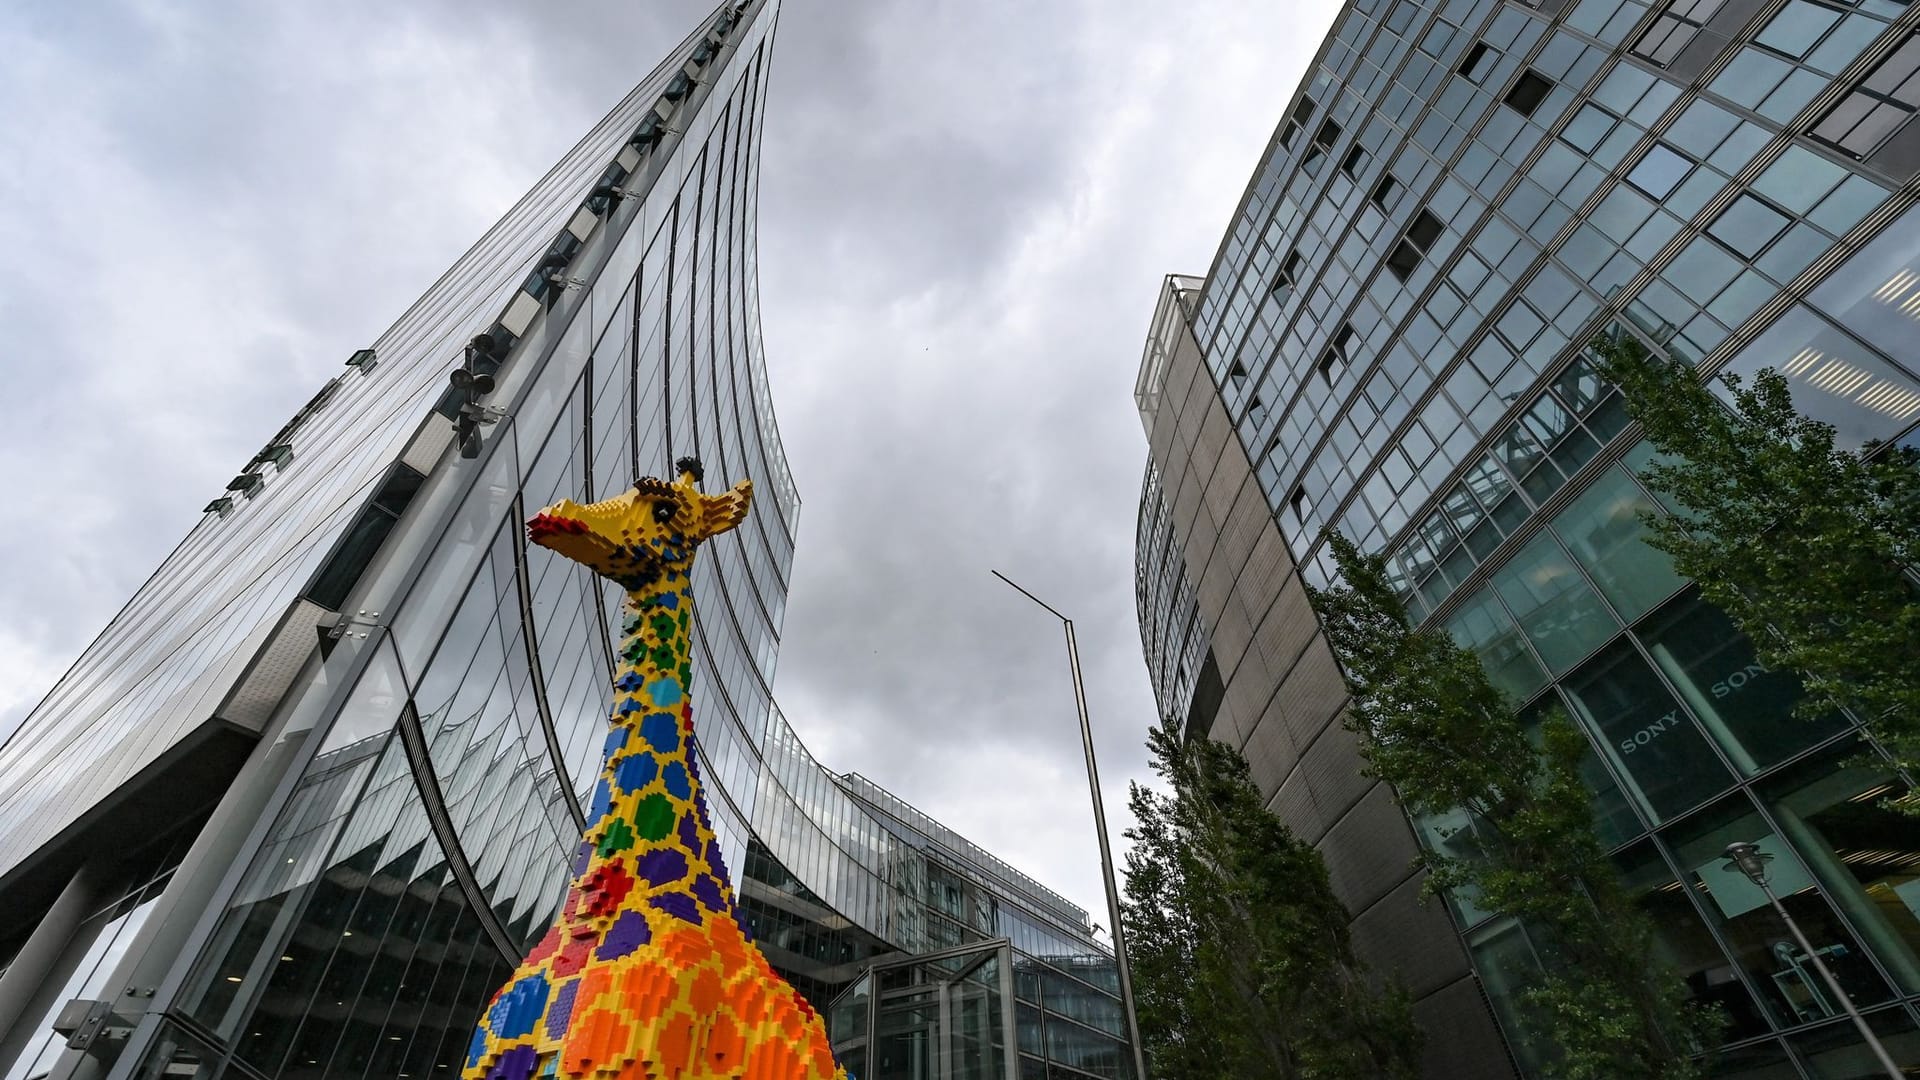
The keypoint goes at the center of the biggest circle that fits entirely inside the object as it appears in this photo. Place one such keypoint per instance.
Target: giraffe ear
(719, 513)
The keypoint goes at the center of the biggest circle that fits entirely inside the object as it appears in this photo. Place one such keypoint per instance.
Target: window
(1338, 357)
(1256, 410)
(1238, 373)
(1747, 707)
(1660, 171)
(1673, 28)
(1876, 108)
(1355, 161)
(1289, 278)
(1420, 238)
(1778, 972)
(364, 359)
(1652, 742)
(1297, 122)
(1323, 141)
(1605, 531)
(1553, 604)
(1386, 193)
(1748, 226)
(1297, 505)
(1528, 92)
(350, 557)
(1478, 61)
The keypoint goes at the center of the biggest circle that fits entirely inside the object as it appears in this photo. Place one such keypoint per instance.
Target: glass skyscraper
(303, 804)
(1392, 342)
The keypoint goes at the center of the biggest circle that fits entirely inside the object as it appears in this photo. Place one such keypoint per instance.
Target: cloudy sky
(966, 210)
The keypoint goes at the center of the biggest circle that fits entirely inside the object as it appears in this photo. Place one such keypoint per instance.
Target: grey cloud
(966, 208)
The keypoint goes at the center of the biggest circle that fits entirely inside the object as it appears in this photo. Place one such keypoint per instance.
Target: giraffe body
(649, 972)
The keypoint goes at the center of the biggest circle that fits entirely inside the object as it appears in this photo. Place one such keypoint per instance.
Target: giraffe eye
(664, 510)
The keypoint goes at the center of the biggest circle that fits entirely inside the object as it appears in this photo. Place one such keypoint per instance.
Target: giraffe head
(651, 531)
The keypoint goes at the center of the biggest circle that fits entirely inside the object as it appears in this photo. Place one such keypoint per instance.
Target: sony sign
(1725, 688)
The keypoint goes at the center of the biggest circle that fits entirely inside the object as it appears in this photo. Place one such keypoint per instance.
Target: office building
(307, 800)
(1392, 342)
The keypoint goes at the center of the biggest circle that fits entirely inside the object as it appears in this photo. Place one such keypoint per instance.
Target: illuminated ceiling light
(1801, 361)
(1911, 306)
(1836, 376)
(234, 979)
(1895, 286)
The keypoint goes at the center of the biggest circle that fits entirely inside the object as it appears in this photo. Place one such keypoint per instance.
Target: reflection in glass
(1682, 941)
(1747, 708)
(1483, 626)
(1604, 530)
(1508, 968)
(1863, 853)
(1660, 755)
(1834, 379)
(1554, 604)
(1613, 817)
(1790, 988)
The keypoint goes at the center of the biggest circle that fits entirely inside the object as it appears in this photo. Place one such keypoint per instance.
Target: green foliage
(1241, 962)
(1805, 546)
(1434, 726)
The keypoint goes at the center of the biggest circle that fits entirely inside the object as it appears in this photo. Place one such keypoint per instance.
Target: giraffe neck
(649, 814)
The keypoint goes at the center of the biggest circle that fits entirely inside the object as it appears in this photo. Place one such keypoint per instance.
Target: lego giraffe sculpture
(648, 973)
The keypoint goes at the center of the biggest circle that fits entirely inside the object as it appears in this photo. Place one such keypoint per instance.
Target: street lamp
(1100, 829)
(1751, 861)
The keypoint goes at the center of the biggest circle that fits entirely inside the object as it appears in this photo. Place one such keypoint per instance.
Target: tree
(1241, 958)
(1433, 725)
(1808, 548)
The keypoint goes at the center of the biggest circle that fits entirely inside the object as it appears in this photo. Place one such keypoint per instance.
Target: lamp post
(1750, 860)
(1100, 830)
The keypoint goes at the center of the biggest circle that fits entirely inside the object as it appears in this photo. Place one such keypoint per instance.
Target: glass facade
(1399, 345)
(424, 695)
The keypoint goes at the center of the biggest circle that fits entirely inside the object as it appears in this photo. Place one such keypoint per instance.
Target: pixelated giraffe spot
(628, 932)
(705, 992)
(726, 1047)
(516, 1064)
(653, 818)
(679, 905)
(661, 732)
(662, 866)
(596, 1041)
(617, 836)
(771, 1058)
(515, 1012)
(675, 777)
(560, 1013)
(665, 693)
(635, 771)
(606, 887)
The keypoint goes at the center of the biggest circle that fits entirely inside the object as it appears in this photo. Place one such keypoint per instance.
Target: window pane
(1833, 378)
(1861, 851)
(1663, 760)
(1745, 707)
(1554, 605)
(1748, 226)
(1660, 172)
(1485, 627)
(1682, 940)
(1790, 988)
(1603, 529)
